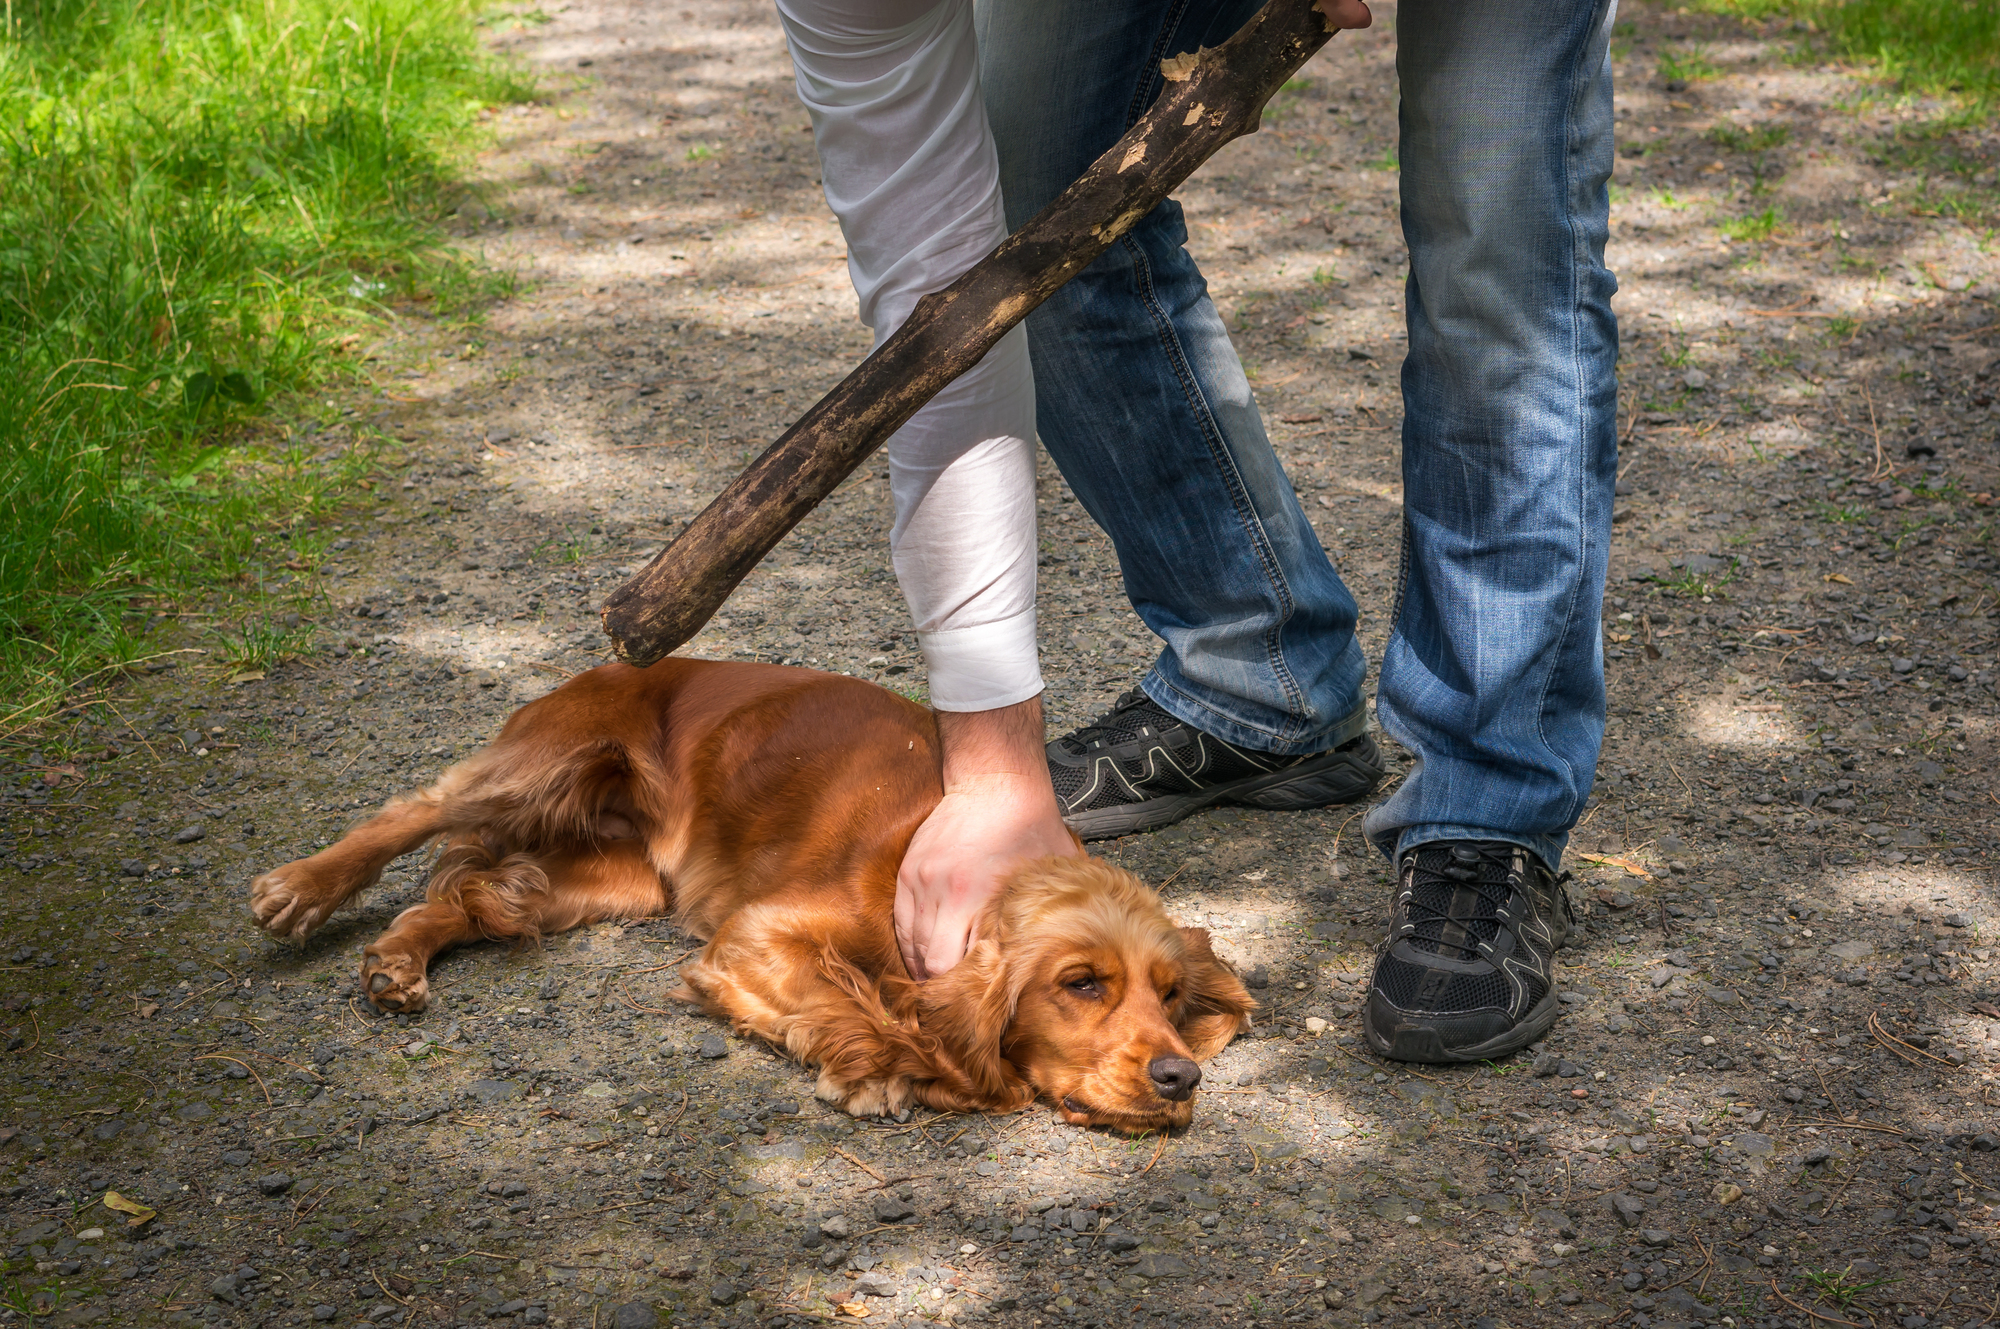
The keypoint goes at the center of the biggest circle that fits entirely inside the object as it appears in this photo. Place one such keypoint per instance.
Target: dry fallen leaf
(1840, 577)
(149, 1010)
(139, 1212)
(1987, 1009)
(854, 1308)
(248, 676)
(1610, 860)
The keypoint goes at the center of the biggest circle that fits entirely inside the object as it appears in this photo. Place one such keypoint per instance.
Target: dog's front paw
(394, 982)
(288, 902)
(866, 1098)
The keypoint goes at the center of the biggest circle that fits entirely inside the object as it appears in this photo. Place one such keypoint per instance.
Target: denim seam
(1226, 465)
(1150, 70)
(1580, 86)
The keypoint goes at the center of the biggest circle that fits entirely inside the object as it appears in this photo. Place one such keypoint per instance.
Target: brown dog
(768, 810)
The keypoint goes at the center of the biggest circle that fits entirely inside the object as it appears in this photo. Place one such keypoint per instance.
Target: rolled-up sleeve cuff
(983, 668)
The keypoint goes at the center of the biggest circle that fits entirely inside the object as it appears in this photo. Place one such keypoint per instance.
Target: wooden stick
(1210, 98)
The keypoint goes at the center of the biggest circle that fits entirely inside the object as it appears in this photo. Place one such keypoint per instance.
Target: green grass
(1757, 226)
(1932, 46)
(201, 201)
(1759, 138)
(1691, 65)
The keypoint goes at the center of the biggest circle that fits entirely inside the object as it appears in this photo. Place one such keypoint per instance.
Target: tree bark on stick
(1211, 97)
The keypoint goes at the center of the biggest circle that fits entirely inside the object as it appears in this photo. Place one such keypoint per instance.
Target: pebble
(189, 834)
(725, 1294)
(275, 1183)
(638, 1315)
(835, 1228)
(890, 1209)
(713, 1048)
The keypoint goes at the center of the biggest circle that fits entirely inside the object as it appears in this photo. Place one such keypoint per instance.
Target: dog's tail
(495, 889)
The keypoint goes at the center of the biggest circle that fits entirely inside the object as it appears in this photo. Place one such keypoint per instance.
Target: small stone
(237, 1157)
(1545, 1066)
(835, 1228)
(1628, 1208)
(1654, 1236)
(275, 1183)
(325, 1312)
(1260, 977)
(637, 1315)
(224, 1289)
(875, 1284)
(189, 834)
(1117, 1241)
(889, 1209)
(1903, 664)
(714, 1049)
(1793, 1094)
(1957, 920)
(1727, 1192)
(1315, 1026)
(725, 1294)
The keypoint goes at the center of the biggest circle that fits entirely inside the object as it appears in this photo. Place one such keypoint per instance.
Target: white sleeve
(911, 172)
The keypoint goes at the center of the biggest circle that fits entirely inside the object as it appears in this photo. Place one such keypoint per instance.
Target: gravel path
(1775, 1084)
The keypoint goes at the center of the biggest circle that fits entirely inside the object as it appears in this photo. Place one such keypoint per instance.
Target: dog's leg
(521, 897)
(772, 972)
(293, 900)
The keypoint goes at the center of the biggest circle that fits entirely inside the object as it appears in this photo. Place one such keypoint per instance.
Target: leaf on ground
(1840, 577)
(139, 1213)
(1610, 860)
(854, 1308)
(248, 676)
(1987, 1009)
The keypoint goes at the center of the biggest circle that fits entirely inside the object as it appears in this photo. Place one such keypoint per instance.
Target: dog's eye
(1087, 986)
(1171, 994)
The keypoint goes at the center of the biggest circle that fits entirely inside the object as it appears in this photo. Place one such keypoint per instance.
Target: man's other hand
(1347, 13)
(998, 809)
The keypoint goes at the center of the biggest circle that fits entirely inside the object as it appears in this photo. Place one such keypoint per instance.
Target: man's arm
(998, 809)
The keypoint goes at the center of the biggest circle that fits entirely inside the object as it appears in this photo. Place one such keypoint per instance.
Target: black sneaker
(1138, 769)
(1465, 973)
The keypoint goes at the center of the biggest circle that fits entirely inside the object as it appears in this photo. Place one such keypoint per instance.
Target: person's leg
(1493, 675)
(1144, 406)
(893, 90)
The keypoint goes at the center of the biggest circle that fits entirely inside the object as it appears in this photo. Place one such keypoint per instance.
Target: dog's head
(1082, 987)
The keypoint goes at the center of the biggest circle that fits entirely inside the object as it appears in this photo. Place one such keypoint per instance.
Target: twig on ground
(1384, 1069)
(858, 1163)
(1904, 1050)
(216, 1056)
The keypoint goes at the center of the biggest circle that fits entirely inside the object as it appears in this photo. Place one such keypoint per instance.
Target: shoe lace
(1437, 877)
(1106, 727)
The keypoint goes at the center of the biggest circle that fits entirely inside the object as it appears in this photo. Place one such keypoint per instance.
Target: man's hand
(1346, 13)
(998, 809)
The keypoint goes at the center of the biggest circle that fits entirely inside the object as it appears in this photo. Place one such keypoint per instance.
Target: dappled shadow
(1786, 838)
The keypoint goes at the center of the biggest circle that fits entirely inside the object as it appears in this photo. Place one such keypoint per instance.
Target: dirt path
(1793, 832)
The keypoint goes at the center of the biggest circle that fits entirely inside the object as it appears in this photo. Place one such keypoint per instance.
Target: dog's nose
(1174, 1077)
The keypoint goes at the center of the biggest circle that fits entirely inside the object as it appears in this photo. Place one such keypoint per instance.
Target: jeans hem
(1548, 848)
(1190, 710)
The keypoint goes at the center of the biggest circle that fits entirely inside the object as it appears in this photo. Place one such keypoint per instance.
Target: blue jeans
(1493, 676)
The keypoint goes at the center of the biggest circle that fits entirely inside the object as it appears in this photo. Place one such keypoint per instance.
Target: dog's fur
(768, 809)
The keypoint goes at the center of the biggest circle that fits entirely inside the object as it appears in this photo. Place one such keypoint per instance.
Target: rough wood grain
(1211, 97)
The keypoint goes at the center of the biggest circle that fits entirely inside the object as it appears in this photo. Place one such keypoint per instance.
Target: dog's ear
(964, 1014)
(1215, 1005)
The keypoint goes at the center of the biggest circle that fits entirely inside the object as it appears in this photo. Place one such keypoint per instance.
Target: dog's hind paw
(395, 983)
(286, 903)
